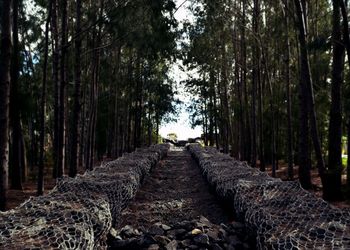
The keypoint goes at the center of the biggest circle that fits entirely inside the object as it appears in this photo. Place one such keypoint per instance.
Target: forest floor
(282, 173)
(17, 197)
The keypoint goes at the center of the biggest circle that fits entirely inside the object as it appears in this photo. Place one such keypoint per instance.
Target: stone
(184, 225)
(114, 233)
(163, 226)
(137, 232)
(172, 245)
(202, 239)
(171, 234)
(127, 231)
(205, 221)
(180, 232)
(162, 239)
(153, 247)
(213, 234)
(147, 240)
(186, 243)
(196, 231)
(155, 230)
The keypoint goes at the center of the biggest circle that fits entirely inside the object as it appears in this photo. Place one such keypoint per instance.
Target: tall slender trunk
(138, 103)
(305, 79)
(5, 68)
(74, 157)
(247, 132)
(255, 79)
(15, 120)
(332, 189)
(40, 190)
(55, 73)
(224, 96)
(312, 112)
(289, 103)
(91, 136)
(273, 116)
(62, 99)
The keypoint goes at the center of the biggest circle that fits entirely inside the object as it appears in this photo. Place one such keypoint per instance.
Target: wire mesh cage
(280, 214)
(79, 212)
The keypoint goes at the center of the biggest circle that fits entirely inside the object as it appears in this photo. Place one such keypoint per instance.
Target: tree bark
(74, 157)
(55, 77)
(40, 190)
(91, 135)
(347, 47)
(332, 189)
(255, 79)
(247, 131)
(5, 68)
(62, 99)
(289, 103)
(305, 79)
(15, 120)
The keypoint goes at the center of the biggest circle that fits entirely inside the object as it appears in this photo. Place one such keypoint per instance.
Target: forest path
(175, 191)
(175, 210)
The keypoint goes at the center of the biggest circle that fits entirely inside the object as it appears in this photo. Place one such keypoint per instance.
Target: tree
(289, 99)
(304, 103)
(40, 190)
(5, 66)
(60, 160)
(77, 95)
(332, 187)
(17, 152)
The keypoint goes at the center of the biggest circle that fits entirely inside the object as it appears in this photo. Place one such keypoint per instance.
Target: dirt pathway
(175, 210)
(175, 191)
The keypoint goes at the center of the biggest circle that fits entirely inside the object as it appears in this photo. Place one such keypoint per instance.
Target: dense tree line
(272, 83)
(80, 80)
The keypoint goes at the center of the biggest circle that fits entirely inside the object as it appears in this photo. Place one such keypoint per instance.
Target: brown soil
(17, 197)
(175, 191)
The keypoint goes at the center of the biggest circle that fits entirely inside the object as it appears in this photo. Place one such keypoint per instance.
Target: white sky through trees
(182, 127)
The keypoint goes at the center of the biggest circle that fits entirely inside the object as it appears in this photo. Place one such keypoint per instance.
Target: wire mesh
(280, 214)
(79, 212)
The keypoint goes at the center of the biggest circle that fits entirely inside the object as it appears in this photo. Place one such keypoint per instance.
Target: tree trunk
(333, 192)
(255, 80)
(5, 68)
(247, 131)
(62, 99)
(55, 73)
(15, 120)
(289, 104)
(305, 79)
(347, 47)
(40, 190)
(74, 157)
(91, 135)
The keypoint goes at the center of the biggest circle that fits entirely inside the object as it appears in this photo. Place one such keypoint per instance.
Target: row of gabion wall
(79, 212)
(280, 214)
